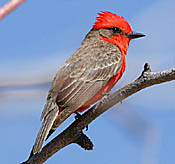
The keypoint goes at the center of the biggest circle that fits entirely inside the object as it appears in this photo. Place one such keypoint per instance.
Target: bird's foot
(78, 115)
(105, 94)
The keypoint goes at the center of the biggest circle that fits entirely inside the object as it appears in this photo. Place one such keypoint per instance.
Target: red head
(108, 20)
(122, 32)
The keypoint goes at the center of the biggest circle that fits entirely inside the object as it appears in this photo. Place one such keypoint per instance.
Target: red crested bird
(89, 73)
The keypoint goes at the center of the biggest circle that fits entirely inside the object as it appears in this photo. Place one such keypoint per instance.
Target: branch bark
(9, 7)
(74, 132)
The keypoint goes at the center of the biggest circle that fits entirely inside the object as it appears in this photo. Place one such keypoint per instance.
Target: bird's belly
(110, 84)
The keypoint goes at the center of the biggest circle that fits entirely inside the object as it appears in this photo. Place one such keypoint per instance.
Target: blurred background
(36, 39)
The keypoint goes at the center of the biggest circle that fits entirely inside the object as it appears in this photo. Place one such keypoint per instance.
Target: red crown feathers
(107, 19)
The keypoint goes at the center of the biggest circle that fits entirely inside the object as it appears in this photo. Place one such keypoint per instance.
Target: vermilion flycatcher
(89, 73)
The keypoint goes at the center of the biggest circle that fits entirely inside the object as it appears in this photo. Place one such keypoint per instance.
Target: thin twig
(9, 7)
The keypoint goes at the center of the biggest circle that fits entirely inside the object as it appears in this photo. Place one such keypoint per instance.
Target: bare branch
(9, 7)
(74, 131)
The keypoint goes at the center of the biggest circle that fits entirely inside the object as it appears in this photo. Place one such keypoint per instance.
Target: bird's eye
(116, 30)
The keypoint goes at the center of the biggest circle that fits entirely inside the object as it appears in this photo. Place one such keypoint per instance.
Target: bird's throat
(121, 41)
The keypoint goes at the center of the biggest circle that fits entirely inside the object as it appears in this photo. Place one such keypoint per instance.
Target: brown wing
(84, 74)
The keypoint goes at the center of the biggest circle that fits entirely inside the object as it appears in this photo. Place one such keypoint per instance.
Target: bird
(91, 71)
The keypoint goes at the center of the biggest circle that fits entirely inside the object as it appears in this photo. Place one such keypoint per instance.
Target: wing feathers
(66, 94)
(81, 83)
(45, 128)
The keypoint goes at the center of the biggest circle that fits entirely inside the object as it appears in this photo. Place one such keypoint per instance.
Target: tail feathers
(45, 128)
(50, 133)
(48, 107)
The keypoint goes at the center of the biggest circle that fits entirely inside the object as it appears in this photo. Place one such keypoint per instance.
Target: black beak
(134, 35)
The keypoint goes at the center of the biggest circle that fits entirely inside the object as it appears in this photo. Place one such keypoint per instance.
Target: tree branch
(74, 131)
(9, 7)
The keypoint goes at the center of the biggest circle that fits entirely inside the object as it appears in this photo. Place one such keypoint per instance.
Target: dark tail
(50, 133)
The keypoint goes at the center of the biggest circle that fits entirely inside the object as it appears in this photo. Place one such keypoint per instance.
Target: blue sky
(37, 38)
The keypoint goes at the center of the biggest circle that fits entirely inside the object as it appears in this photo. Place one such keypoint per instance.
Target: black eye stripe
(115, 29)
